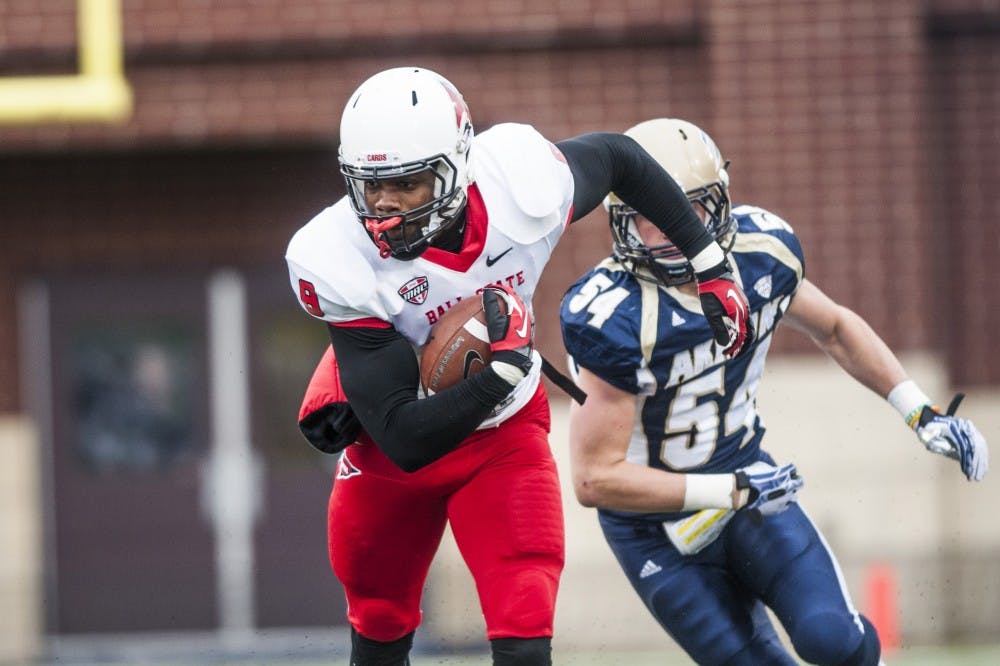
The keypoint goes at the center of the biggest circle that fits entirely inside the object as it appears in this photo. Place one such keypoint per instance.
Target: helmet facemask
(666, 264)
(418, 226)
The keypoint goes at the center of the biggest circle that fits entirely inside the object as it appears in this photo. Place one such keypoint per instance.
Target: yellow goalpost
(99, 92)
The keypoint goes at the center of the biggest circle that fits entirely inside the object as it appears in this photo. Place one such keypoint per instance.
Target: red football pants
(499, 490)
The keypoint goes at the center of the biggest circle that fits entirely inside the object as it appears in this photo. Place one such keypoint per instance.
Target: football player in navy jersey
(435, 214)
(668, 444)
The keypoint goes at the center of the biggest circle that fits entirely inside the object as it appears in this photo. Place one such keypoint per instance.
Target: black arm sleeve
(605, 162)
(380, 376)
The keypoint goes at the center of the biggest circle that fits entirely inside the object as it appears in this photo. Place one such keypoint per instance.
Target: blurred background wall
(152, 355)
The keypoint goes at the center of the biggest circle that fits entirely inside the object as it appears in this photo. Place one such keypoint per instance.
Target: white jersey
(518, 207)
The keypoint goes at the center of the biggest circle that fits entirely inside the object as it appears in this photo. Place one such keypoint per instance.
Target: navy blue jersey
(697, 409)
(697, 413)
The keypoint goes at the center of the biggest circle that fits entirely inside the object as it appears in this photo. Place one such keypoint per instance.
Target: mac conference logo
(415, 291)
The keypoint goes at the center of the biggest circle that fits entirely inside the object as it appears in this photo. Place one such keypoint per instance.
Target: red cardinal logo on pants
(345, 468)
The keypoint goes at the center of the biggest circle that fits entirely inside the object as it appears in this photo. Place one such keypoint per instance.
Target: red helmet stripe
(461, 108)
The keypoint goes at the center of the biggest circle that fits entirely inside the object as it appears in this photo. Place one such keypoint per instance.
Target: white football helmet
(397, 123)
(690, 156)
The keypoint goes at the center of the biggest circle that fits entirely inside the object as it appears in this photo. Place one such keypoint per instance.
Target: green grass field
(324, 648)
(924, 656)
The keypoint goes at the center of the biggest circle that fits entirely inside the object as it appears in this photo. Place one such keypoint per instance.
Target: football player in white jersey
(668, 444)
(434, 214)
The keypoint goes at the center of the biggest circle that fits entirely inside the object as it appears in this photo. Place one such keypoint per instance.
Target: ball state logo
(415, 291)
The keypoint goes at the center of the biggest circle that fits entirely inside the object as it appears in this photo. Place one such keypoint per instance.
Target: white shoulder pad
(529, 170)
(324, 254)
(763, 219)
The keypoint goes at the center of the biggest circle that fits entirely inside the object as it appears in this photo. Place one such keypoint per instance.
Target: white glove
(954, 437)
(766, 490)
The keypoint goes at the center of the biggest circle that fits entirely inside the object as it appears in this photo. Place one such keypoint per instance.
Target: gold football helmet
(690, 156)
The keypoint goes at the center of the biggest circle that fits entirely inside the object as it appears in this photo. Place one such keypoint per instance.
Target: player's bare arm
(602, 477)
(849, 340)
(599, 434)
(846, 337)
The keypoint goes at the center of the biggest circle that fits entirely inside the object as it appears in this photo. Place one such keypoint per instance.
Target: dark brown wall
(871, 127)
(964, 180)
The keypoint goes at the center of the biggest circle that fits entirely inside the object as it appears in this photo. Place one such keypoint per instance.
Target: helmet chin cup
(376, 229)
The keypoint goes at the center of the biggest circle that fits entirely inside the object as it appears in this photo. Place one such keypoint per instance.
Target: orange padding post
(882, 603)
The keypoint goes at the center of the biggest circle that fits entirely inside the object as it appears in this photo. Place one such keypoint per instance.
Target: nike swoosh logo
(521, 332)
(731, 295)
(492, 260)
(471, 357)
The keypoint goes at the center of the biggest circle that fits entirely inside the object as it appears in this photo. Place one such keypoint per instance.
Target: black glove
(331, 428)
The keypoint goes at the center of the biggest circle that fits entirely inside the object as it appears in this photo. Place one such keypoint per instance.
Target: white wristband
(708, 491)
(907, 399)
(710, 257)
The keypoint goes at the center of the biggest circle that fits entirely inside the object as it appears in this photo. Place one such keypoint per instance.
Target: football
(458, 346)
